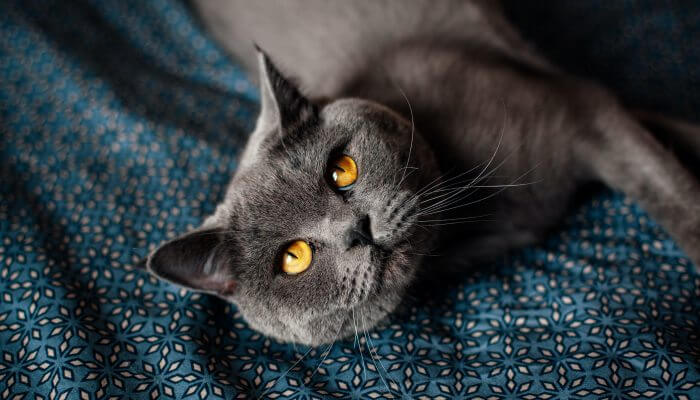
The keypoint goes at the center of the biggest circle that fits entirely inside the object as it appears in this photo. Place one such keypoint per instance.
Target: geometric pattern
(120, 124)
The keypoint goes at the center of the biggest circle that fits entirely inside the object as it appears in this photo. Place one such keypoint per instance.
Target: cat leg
(679, 132)
(682, 137)
(623, 154)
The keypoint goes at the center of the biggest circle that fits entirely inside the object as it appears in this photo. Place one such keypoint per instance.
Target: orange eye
(297, 257)
(343, 172)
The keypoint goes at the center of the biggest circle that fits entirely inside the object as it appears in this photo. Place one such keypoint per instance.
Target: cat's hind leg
(682, 137)
(619, 151)
(682, 133)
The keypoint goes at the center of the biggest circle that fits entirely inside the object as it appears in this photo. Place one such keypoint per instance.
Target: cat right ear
(284, 111)
(198, 261)
(283, 106)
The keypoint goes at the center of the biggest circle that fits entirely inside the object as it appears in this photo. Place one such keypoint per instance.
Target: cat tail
(682, 136)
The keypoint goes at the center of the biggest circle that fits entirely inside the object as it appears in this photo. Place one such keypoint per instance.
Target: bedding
(121, 122)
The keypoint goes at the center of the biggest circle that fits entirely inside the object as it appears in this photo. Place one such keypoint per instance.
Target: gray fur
(514, 137)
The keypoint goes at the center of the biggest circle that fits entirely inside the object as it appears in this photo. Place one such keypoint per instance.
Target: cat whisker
(424, 254)
(496, 186)
(438, 182)
(444, 204)
(488, 164)
(470, 186)
(328, 351)
(370, 346)
(485, 197)
(429, 184)
(285, 373)
(511, 185)
(359, 346)
(457, 219)
(410, 149)
(418, 193)
(416, 225)
(457, 190)
(472, 183)
(433, 185)
(398, 185)
(460, 222)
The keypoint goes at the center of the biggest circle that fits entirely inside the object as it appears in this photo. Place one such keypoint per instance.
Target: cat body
(468, 144)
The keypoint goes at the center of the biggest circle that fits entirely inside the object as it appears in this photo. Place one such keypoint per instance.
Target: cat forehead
(362, 114)
(278, 195)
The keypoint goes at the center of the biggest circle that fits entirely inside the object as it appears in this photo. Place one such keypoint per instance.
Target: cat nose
(359, 234)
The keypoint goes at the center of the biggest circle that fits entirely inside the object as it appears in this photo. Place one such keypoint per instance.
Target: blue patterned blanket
(120, 122)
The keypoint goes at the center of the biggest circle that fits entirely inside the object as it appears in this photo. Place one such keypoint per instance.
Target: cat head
(317, 234)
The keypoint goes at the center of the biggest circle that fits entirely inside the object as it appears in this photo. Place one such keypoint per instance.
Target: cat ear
(197, 261)
(282, 104)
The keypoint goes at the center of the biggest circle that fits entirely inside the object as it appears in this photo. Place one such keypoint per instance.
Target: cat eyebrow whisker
(413, 126)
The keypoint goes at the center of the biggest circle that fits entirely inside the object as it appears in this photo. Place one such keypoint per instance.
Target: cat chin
(344, 324)
(396, 275)
(333, 325)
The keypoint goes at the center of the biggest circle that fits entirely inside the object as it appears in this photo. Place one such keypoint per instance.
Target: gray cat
(424, 127)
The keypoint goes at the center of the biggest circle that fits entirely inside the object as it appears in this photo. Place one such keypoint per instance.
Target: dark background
(648, 51)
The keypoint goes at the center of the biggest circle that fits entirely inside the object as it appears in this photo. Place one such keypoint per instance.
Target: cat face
(317, 235)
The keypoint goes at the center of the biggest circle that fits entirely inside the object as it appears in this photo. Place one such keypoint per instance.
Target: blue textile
(120, 122)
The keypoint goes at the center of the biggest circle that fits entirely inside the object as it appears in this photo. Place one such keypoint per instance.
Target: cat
(412, 129)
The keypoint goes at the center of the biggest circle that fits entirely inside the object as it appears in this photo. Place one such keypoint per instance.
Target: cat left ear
(282, 103)
(198, 261)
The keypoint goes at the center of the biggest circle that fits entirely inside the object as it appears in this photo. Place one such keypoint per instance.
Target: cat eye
(296, 257)
(342, 172)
